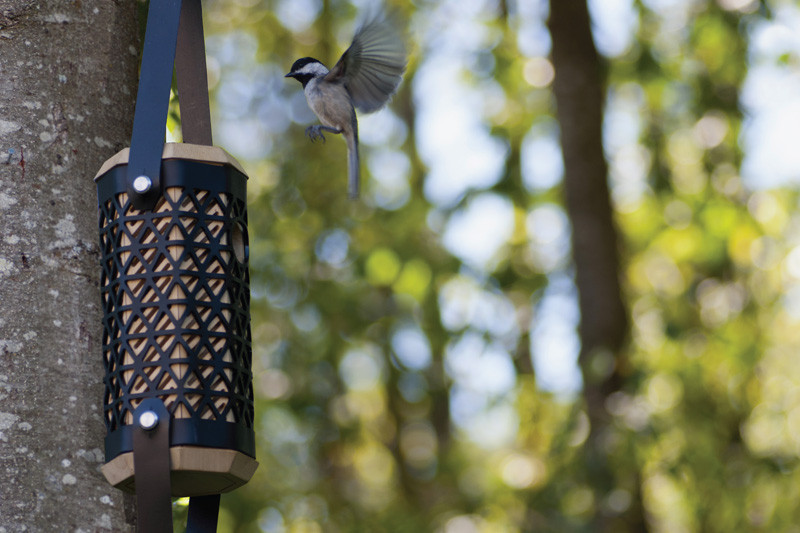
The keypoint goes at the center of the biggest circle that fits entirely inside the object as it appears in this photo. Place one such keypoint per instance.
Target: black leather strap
(152, 100)
(151, 469)
(174, 36)
(190, 69)
(203, 513)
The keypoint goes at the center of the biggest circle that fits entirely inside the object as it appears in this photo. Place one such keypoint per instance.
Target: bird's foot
(315, 132)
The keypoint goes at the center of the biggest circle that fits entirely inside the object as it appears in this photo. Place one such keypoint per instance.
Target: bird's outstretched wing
(372, 67)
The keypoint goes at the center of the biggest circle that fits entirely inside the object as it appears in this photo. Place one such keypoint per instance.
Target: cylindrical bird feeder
(178, 401)
(176, 325)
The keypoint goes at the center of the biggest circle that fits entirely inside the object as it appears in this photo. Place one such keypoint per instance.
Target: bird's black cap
(300, 63)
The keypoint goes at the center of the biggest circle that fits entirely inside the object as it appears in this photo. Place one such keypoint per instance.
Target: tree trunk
(68, 73)
(579, 91)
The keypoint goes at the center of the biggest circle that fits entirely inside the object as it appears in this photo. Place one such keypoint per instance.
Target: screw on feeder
(148, 420)
(142, 184)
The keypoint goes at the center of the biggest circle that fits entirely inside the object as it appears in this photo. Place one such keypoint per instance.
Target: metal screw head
(142, 184)
(148, 420)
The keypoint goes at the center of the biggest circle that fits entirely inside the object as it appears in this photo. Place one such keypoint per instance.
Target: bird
(364, 78)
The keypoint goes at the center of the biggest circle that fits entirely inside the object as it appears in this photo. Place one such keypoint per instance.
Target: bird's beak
(290, 75)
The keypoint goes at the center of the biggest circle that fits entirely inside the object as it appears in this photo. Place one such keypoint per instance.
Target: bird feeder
(175, 295)
(178, 401)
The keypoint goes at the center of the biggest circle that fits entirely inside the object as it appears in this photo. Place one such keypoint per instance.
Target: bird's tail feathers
(353, 164)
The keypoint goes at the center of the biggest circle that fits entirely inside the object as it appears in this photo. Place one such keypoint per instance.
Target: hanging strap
(151, 468)
(203, 514)
(152, 103)
(190, 69)
(171, 24)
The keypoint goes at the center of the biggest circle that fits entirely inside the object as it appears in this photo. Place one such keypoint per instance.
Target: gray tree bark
(68, 71)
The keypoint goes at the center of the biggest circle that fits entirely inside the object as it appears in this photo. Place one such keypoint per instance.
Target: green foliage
(359, 306)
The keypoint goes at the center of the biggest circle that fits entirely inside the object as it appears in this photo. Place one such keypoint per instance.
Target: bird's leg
(315, 132)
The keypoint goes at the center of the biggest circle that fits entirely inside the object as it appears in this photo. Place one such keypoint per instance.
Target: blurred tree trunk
(68, 75)
(579, 92)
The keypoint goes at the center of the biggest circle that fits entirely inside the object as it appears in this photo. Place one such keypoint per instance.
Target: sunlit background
(416, 351)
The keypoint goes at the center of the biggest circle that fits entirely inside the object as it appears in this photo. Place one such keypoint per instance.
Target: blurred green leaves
(368, 326)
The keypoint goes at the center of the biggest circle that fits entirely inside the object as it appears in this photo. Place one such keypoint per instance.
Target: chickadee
(365, 77)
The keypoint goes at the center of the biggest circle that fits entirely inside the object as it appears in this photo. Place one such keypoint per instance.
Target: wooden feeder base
(195, 471)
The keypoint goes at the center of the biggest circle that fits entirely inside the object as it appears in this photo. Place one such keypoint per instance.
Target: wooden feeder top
(191, 152)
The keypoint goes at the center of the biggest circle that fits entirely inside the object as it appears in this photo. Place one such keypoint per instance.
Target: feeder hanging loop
(152, 102)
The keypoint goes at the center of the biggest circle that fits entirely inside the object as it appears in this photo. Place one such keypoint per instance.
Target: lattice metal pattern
(175, 293)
